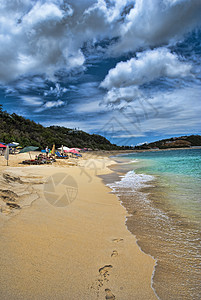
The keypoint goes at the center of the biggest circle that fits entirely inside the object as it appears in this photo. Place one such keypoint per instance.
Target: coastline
(118, 175)
(81, 251)
(158, 150)
(121, 173)
(155, 224)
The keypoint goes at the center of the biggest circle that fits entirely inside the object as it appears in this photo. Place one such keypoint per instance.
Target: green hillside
(174, 142)
(14, 128)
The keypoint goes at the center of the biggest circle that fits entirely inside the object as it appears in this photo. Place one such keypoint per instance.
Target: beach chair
(60, 156)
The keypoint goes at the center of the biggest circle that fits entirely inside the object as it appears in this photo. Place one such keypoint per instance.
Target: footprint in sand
(102, 279)
(109, 294)
(114, 253)
(104, 271)
(117, 240)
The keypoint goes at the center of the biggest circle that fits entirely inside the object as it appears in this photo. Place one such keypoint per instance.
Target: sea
(161, 191)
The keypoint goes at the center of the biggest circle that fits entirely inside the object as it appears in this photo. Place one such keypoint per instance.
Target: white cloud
(32, 101)
(109, 10)
(157, 22)
(146, 67)
(166, 113)
(39, 104)
(58, 91)
(41, 39)
(44, 37)
(124, 81)
(35, 39)
(90, 107)
(51, 104)
(25, 85)
(43, 13)
(119, 96)
(178, 112)
(122, 136)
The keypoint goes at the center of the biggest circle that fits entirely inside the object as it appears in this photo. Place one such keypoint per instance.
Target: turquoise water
(163, 189)
(176, 162)
(179, 171)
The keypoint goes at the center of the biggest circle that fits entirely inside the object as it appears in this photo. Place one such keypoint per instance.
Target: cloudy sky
(129, 70)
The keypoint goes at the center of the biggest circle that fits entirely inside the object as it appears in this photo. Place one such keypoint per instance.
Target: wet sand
(81, 250)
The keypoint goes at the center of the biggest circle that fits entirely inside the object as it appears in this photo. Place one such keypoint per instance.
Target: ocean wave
(132, 181)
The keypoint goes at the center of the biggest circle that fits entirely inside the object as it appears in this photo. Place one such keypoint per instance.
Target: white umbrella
(64, 148)
(14, 143)
(6, 155)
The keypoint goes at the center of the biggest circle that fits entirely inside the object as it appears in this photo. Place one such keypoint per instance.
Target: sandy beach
(75, 247)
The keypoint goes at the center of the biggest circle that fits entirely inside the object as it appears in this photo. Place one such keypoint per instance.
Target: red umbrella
(2, 146)
(77, 149)
(73, 151)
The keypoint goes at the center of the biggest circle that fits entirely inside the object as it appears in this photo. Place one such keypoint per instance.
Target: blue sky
(129, 70)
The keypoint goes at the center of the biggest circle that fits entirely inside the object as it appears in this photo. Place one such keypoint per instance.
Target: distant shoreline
(111, 153)
(156, 150)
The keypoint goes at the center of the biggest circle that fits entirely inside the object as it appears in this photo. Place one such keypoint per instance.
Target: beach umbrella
(77, 149)
(12, 145)
(73, 151)
(2, 146)
(28, 149)
(17, 144)
(64, 148)
(53, 150)
(6, 155)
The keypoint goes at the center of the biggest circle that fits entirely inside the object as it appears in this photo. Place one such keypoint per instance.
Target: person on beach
(47, 151)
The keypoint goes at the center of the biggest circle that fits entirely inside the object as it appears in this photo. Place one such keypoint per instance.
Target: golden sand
(82, 250)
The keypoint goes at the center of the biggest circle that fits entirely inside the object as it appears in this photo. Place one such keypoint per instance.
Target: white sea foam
(132, 181)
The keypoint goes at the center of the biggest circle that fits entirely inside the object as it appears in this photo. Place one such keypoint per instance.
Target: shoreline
(149, 232)
(157, 150)
(129, 230)
(102, 260)
(120, 174)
